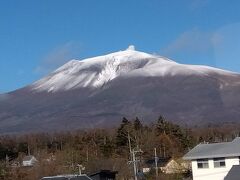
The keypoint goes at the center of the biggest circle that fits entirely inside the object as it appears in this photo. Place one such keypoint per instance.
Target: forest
(96, 149)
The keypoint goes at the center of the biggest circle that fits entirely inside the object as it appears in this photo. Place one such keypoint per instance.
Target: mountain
(99, 91)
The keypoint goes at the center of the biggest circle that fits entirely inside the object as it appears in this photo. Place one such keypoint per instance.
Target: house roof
(234, 173)
(67, 177)
(215, 150)
(161, 161)
(104, 173)
(28, 158)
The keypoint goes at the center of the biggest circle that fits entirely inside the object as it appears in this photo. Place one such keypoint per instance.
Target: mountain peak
(131, 48)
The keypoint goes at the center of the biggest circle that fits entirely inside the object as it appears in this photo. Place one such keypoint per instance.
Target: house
(167, 165)
(67, 177)
(29, 161)
(104, 175)
(101, 175)
(214, 161)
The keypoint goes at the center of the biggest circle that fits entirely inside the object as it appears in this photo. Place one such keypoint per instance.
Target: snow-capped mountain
(99, 91)
(98, 71)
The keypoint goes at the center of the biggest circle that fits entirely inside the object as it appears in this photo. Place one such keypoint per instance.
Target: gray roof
(28, 158)
(234, 173)
(162, 161)
(67, 177)
(226, 149)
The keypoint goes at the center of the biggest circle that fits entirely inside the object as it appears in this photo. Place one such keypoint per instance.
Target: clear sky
(38, 36)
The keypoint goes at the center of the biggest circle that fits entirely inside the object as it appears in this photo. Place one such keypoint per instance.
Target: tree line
(59, 153)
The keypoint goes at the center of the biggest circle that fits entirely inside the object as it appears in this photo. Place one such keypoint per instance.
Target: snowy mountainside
(98, 71)
(93, 72)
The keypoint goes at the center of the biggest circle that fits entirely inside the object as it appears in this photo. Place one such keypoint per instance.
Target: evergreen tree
(181, 135)
(137, 124)
(122, 132)
(162, 126)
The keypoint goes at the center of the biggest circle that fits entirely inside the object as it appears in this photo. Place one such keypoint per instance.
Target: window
(202, 163)
(219, 162)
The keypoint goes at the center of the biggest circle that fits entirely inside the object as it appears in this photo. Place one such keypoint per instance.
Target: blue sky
(38, 36)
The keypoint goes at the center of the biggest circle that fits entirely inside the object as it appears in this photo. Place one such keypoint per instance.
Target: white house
(214, 161)
(29, 161)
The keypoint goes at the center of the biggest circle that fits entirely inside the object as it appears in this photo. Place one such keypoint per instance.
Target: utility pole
(164, 151)
(133, 158)
(156, 162)
(134, 164)
(87, 153)
(28, 150)
(7, 160)
(134, 161)
(129, 143)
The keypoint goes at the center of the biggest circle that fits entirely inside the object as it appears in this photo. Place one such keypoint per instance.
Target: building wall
(27, 163)
(212, 173)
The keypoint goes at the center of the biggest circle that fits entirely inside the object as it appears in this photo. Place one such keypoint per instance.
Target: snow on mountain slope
(98, 71)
